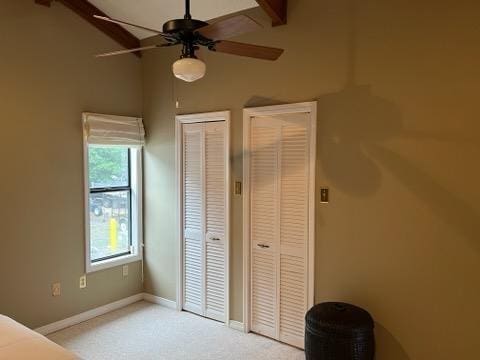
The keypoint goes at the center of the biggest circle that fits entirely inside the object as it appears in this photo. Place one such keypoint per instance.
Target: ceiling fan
(192, 34)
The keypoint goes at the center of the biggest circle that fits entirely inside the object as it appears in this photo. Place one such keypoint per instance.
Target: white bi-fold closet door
(204, 216)
(280, 168)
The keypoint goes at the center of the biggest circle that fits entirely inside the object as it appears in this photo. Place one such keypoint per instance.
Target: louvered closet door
(294, 170)
(264, 225)
(279, 215)
(204, 182)
(215, 220)
(194, 264)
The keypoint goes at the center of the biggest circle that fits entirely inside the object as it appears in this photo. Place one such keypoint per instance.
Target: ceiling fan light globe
(189, 69)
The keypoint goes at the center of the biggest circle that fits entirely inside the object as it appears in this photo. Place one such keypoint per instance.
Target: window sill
(110, 263)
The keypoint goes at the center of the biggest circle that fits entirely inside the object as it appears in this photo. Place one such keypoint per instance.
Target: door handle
(263, 246)
(215, 239)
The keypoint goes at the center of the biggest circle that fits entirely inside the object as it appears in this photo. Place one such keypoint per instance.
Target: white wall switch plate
(125, 270)
(83, 281)
(56, 291)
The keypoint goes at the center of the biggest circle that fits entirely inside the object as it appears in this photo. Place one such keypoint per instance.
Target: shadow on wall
(348, 121)
(258, 101)
(352, 125)
(388, 348)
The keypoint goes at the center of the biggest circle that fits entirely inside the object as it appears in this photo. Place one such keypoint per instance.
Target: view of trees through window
(107, 166)
(110, 197)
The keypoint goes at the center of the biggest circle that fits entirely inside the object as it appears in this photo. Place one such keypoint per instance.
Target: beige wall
(398, 147)
(48, 76)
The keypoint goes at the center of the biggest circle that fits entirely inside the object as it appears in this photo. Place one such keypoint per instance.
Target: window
(113, 199)
(110, 202)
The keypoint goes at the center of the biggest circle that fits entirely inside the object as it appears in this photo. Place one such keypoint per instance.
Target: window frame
(136, 214)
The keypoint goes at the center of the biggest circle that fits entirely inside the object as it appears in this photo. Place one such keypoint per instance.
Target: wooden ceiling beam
(276, 9)
(86, 10)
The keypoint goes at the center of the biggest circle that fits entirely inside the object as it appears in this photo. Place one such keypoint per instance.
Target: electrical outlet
(83, 281)
(56, 291)
(125, 270)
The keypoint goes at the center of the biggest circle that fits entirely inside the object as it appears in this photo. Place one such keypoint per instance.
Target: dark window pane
(109, 224)
(107, 166)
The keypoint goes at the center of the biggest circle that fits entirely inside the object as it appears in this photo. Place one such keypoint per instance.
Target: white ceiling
(154, 13)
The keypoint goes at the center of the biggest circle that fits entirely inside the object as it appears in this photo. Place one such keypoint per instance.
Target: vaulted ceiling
(153, 13)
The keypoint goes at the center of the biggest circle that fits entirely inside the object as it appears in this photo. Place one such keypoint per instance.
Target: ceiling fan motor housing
(182, 26)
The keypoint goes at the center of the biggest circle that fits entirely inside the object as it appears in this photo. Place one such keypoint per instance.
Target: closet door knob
(263, 246)
(215, 239)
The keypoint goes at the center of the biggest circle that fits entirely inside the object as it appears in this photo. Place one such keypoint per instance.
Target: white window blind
(100, 129)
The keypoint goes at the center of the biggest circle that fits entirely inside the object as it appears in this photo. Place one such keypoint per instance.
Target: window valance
(100, 129)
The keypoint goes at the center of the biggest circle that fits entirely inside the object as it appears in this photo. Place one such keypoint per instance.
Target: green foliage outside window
(108, 166)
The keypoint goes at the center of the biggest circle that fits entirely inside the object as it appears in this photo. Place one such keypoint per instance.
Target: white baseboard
(160, 301)
(90, 314)
(87, 315)
(237, 325)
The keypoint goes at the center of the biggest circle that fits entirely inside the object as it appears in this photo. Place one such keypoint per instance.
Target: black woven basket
(339, 331)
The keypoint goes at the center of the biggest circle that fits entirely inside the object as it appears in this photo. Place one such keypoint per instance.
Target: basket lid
(339, 317)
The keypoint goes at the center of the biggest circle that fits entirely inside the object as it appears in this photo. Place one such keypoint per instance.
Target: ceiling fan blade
(233, 26)
(249, 50)
(128, 51)
(121, 22)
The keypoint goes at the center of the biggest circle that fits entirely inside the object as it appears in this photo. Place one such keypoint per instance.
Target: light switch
(238, 188)
(324, 195)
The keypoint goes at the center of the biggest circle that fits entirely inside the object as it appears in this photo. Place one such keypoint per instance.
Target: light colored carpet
(148, 331)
